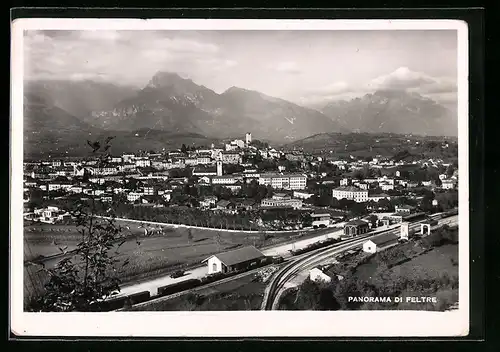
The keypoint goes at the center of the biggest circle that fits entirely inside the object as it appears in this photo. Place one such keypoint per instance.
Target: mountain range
(393, 111)
(60, 115)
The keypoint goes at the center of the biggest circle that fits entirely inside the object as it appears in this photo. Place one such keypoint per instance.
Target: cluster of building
(146, 178)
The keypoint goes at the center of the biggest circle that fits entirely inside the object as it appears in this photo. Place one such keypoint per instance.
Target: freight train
(140, 297)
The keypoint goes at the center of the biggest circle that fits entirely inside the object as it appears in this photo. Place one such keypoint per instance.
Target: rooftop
(350, 189)
(239, 255)
(320, 215)
(357, 223)
(405, 206)
(385, 239)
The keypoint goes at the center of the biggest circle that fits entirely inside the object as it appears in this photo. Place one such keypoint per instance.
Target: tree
(218, 240)
(184, 149)
(190, 235)
(81, 282)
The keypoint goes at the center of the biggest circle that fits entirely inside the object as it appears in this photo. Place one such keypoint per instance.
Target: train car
(138, 297)
(450, 213)
(415, 217)
(114, 303)
(178, 287)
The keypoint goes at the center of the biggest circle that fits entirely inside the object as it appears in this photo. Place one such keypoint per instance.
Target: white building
(204, 160)
(219, 168)
(302, 194)
(49, 215)
(230, 147)
(230, 158)
(133, 196)
(323, 274)
(208, 202)
(386, 186)
(284, 181)
(380, 243)
(280, 200)
(248, 138)
(344, 182)
(224, 180)
(320, 219)
(404, 208)
(362, 185)
(142, 162)
(377, 197)
(352, 193)
(448, 184)
(237, 259)
(128, 157)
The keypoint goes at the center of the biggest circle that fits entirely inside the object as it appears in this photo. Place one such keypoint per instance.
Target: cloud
(440, 89)
(127, 57)
(287, 67)
(335, 91)
(405, 79)
(99, 35)
(332, 89)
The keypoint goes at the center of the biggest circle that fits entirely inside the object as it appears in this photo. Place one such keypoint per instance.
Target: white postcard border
(241, 323)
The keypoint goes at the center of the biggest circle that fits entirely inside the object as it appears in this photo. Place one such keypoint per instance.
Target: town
(242, 176)
(285, 196)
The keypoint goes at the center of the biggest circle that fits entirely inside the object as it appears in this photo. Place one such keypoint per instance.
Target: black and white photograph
(234, 176)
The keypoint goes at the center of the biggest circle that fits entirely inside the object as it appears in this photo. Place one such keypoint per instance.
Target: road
(277, 284)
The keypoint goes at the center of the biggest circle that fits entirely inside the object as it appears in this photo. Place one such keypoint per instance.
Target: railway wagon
(114, 303)
(138, 297)
(120, 302)
(178, 287)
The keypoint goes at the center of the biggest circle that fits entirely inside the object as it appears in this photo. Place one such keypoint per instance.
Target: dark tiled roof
(357, 222)
(223, 203)
(385, 239)
(240, 255)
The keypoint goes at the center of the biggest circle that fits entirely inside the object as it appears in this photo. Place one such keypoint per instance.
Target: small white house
(316, 274)
(237, 259)
(320, 219)
(380, 243)
(344, 182)
(323, 274)
(448, 184)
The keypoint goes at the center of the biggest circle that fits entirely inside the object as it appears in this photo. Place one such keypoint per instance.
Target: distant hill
(79, 98)
(394, 111)
(50, 130)
(391, 145)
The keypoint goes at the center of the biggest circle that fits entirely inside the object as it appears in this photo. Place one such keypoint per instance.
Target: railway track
(272, 294)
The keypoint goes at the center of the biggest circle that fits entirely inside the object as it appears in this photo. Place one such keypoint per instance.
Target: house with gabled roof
(238, 259)
(380, 243)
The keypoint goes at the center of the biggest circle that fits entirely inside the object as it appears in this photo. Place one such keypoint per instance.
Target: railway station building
(237, 259)
(356, 228)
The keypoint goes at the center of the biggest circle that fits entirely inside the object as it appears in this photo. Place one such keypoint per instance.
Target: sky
(307, 67)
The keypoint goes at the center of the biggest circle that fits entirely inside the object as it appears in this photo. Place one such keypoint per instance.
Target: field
(432, 264)
(150, 256)
(422, 268)
(239, 294)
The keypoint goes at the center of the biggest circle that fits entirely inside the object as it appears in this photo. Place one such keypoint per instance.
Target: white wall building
(302, 194)
(448, 184)
(352, 193)
(133, 196)
(320, 219)
(230, 158)
(284, 181)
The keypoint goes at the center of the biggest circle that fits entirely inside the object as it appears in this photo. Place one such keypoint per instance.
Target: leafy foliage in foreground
(82, 280)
